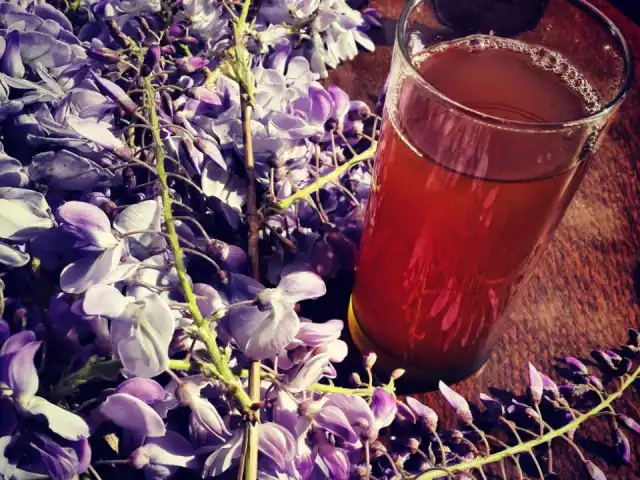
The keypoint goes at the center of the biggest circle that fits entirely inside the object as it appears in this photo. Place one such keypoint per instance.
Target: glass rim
(612, 28)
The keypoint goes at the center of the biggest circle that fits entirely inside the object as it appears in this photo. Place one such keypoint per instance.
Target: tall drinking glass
(494, 112)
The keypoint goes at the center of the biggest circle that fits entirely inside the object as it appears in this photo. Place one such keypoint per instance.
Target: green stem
(330, 177)
(527, 447)
(204, 330)
(180, 365)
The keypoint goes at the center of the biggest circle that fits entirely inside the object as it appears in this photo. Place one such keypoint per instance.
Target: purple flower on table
(141, 330)
(203, 412)
(145, 215)
(426, 415)
(458, 403)
(132, 414)
(224, 456)
(278, 445)
(11, 61)
(264, 331)
(161, 457)
(358, 412)
(102, 262)
(31, 455)
(536, 384)
(20, 375)
(384, 408)
(493, 406)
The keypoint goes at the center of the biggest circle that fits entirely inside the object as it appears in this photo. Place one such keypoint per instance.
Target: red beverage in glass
(460, 207)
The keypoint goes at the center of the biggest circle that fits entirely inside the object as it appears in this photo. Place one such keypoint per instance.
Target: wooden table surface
(584, 293)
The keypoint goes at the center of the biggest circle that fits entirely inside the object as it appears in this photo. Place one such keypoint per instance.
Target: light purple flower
(161, 457)
(264, 332)
(357, 412)
(224, 456)
(384, 408)
(133, 414)
(421, 411)
(22, 378)
(277, 443)
(141, 331)
(23, 214)
(458, 403)
(202, 410)
(536, 384)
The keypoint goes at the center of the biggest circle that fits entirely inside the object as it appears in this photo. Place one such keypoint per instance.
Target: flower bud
(576, 365)
(413, 444)
(397, 373)
(355, 379)
(370, 360)
(139, 459)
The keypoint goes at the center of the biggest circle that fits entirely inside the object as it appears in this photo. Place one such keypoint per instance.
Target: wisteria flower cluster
(174, 182)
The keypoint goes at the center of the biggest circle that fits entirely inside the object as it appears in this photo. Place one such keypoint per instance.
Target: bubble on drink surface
(540, 56)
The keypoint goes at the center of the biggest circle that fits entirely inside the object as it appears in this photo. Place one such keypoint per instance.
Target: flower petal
(22, 375)
(104, 300)
(262, 335)
(315, 334)
(89, 222)
(299, 286)
(384, 407)
(97, 132)
(17, 341)
(145, 389)
(145, 353)
(309, 373)
(458, 403)
(23, 214)
(172, 449)
(276, 443)
(337, 461)
(333, 420)
(79, 276)
(66, 424)
(536, 384)
(224, 456)
(133, 414)
(145, 215)
(357, 411)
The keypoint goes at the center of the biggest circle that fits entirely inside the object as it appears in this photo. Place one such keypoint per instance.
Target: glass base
(416, 379)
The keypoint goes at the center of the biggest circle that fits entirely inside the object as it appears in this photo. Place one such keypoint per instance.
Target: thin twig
(531, 444)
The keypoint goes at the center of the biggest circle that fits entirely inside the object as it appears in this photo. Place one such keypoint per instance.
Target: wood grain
(584, 292)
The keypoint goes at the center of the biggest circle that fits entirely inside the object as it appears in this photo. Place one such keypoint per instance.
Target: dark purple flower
(622, 445)
(494, 407)
(576, 365)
